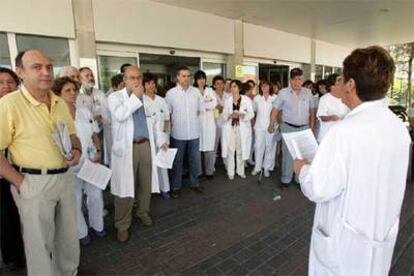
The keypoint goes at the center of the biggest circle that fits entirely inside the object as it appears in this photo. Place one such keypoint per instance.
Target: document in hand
(96, 174)
(165, 159)
(301, 144)
(61, 137)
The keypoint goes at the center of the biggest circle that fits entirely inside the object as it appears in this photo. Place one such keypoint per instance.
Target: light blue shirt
(140, 123)
(295, 108)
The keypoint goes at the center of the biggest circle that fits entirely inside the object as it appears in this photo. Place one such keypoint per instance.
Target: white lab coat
(207, 121)
(160, 107)
(97, 103)
(246, 107)
(357, 179)
(122, 107)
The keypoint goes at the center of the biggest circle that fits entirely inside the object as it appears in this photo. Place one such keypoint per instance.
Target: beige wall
(330, 54)
(269, 43)
(40, 17)
(148, 23)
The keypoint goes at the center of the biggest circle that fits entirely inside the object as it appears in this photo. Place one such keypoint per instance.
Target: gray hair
(65, 70)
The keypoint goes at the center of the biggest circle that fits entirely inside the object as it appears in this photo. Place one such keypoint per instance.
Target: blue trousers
(191, 148)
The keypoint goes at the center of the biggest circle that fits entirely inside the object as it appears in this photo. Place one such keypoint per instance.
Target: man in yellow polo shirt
(42, 187)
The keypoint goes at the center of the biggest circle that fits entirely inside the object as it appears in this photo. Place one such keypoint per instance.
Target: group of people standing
(125, 129)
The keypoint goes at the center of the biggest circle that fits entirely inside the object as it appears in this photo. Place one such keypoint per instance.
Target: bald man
(72, 73)
(42, 187)
(136, 131)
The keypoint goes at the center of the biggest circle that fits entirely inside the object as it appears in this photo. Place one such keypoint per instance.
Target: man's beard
(88, 85)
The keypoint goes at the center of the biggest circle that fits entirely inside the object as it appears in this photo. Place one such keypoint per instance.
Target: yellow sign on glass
(239, 71)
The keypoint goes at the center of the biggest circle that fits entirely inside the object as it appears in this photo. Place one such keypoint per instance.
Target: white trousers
(163, 180)
(94, 204)
(265, 150)
(234, 147)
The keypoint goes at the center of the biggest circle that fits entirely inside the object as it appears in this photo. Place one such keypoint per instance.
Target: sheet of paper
(96, 174)
(165, 159)
(301, 144)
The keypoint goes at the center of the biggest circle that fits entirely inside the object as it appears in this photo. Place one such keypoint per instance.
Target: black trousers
(11, 241)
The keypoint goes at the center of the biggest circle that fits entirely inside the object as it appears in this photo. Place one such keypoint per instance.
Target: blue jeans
(190, 147)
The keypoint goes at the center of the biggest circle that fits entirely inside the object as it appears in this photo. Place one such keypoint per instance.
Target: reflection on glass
(213, 69)
(4, 51)
(57, 49)
(318, 72)
(109, 66)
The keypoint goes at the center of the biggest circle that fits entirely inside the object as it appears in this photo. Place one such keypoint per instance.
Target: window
(318, 72)
(327, 71)
(109, 66)
(57, 49)
(213, 69)
(165, 67)
(4, 51)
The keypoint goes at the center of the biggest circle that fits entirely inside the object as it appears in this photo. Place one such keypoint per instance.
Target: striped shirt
(184, 106)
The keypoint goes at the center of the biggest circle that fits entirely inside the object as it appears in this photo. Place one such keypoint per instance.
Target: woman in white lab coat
(87, 130)
(358, 175)
(207, 124)
(237, 130)
(265, 142)
(221, 96)
(157, 104)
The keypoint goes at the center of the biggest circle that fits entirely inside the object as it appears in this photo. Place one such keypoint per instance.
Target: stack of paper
(61, 138)
(301, 144)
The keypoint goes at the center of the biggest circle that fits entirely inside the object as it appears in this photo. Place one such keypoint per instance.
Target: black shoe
(175, 193)
(198, 189)
(209, 177)
(283, 185)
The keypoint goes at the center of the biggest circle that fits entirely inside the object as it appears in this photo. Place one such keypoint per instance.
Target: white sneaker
(231, 177)
(254, 172)
(266, 173)
(242, 176)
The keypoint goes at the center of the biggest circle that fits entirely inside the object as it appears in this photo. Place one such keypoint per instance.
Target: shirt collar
(182, 88)
(53, 98)
(365, 105)
(293, 92)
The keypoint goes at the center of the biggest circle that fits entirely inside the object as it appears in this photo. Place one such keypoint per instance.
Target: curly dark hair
(12, 74)
(372, 69)
(60, 82)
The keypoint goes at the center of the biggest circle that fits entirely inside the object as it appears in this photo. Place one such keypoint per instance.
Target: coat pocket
(325, 248)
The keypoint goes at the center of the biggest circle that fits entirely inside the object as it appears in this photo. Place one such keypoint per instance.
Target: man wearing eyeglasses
(136, 131)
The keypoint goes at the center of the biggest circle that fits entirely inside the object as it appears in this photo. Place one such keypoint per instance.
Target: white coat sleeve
(106, 114)
(122, 110)
(322, 108)
(326, 177)
(227, 110)
(201, 105)
(211, 102)
(161, 138)
(248, 109)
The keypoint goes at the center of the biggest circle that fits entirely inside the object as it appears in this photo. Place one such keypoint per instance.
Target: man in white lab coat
(358, 175)
(133, 173)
